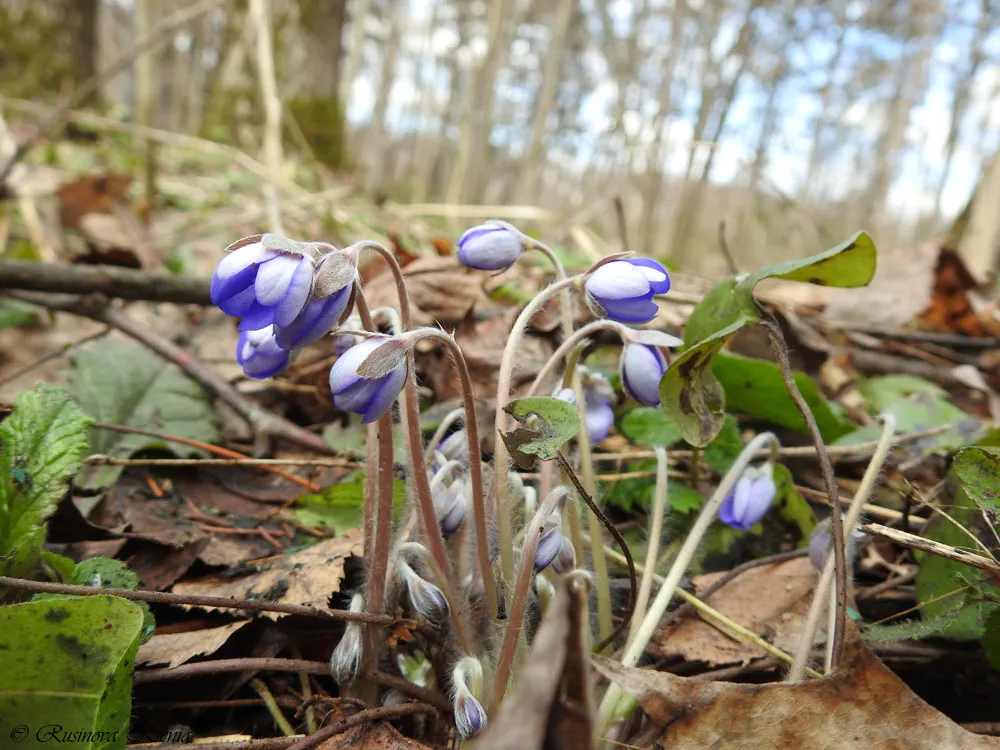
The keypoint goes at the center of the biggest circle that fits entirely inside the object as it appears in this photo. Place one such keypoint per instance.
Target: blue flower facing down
(750, 499)
(370, 397)
(623, 290)
(597, 396)
(641, 368)
(489, 247)
(259, 354)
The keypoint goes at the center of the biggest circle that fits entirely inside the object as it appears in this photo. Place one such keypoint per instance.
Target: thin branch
(225, 666)
(262, 420)
(905, 539)
(836, 522)
(121, 283)
(633, 584)
(382, 713)
(186, 600)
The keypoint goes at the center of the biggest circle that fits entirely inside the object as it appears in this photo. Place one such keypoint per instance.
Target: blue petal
(641, 371)
(316, 320)
(357, 397)
(256, 317)
(388, 389)
(274, 277)
(344, 373)
(489, 248)
(618, 280)
(600, 419)
(296, 295)
(656, 274)
(640, 310)
(224, 288)
(238, 304)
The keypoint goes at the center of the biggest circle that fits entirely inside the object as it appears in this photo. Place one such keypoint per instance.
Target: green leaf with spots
(546, 425)
(69, 662)
(120, 382)
(648, 425)
(41, 446)
(978, 473)
(691, 396)
(755, 387)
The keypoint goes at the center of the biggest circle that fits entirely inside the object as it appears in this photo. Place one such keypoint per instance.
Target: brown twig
(836, 522)
(185, 600)
(111, 281)
(262, 463)
(383, 713)
(424, 695)
(223, 666)
(159, 35)
(633, 583)
(262, 420)
(271, 743)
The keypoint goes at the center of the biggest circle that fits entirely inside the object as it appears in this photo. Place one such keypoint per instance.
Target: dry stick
(311, 486)
(260, 419)
(404, 686)
(935, 548)
(225, 666)
(271, 743)
(263, 463)
(382, 713)
(836, 523)
(158, 36)
(185, 600)
(111, 281)
(612, 529)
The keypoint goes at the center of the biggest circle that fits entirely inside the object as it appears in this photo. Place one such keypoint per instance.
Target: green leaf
(722, 452)
(69, 662)
(691, 396)
(341, 506)
(683, 497)
(923, 411)
(924, 627)
(791, 505)
(547, 424)
(938, 577)
(41, 445)
(120, 382)
(13, 313)
(648, 425)
(991, 639)
(58, 567)
(755, 387)
(884, 390)
(978, 473)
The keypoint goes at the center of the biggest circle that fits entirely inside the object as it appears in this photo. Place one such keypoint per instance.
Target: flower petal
(600, 419)
(240, 259)
(632, 310)
(238, 304)
(257, 316)
(223, 288)
(641, 371)
(296, 295)
(344, 373)
(617, 280)
(317, 319)
(383, 398)
(274, 277)
(656, 274)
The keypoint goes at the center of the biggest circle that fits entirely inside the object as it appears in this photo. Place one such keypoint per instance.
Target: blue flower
(427, 599)
(449, 497)
(259, 354)
(490, 247)
(548, 547)
(750, 499)
(263, 279)
(597, 395)
(623, 290)
(370, 396)
(344, 341)
(315, 320)
(467, 687)
(641, 368)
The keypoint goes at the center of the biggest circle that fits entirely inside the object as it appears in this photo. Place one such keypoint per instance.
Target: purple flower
(565, 560)
(344, 341)
(597, 395)
(450, 504)
(427, 599)
(470, 718)
(548, 547)
(259, 354)
(371, 396)
(749, 500)
(455, 447)
(623, 290)
(314, 321)
(489, 247)
(263, 279)
(641, 368)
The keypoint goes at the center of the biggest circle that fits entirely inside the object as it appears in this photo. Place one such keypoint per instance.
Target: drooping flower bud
(490, 247)
(821, 543)
(427, 599)
(455, 447)
(259, 354)
(383, 362)
(750, 499)
(641, 368)
(623, 290)
(597, 395)
(346, 658)
(565, 559)
(449, 494)
(467, 683)
(548, 547)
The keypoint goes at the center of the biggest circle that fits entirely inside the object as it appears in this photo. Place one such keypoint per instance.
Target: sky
(913, 190)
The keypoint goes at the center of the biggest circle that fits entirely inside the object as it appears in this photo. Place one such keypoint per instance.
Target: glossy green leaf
(648, 425)
(121, 382)
(691, 396)
(68, 663)
(755, 387)
(546, 425)
(884, 390)
(978, 472)
(41, 446)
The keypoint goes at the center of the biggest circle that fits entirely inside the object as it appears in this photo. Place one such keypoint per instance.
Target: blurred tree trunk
(533, 158)
(375, 145)
(820, 123)
(145, 93)
(979, 238)
(426, 146)
(81, 16)
(362, 9)
(323, 26)
(477, 106)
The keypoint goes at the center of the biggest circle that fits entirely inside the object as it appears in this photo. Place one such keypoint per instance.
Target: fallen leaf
(174, 649)
(92, 195)
(770, 600)
(307, 577)
(862, 705)
(401, 631)
(950, 308)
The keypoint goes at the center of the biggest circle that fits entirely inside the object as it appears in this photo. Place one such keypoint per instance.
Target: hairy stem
(655, 531)
(567, 347)
(836, 523)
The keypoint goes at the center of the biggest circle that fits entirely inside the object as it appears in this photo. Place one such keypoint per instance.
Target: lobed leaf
(548, 423)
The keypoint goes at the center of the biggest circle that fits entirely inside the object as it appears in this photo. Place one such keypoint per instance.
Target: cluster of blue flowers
(290, 294)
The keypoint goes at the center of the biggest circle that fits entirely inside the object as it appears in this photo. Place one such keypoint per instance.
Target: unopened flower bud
(565, 559)
(548, 547)
(750, 499)
(370, 395)
(490, 247)
(623, 290)
(346, 658)
(467, 681)
(427, 599)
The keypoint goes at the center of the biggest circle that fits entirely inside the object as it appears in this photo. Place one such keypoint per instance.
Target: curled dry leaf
(307, 577)
(174, 649)
(862, 705)
(551, 705)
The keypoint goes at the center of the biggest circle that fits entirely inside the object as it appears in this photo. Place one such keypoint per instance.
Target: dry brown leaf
(770, 600)
(951, 309)
(862, 705)
(307, 577)
(174, 649)
(550, 705)
(372, 736)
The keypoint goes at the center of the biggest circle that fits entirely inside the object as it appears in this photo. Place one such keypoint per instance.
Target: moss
(321, 120)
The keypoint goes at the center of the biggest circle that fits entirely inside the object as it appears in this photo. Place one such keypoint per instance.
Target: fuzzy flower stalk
(467, 686)
(346, 658)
